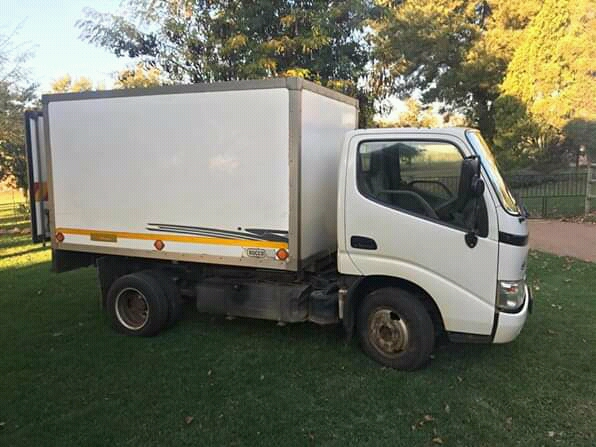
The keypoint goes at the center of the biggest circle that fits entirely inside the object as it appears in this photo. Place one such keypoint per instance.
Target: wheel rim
(388, 332)
(132, 309)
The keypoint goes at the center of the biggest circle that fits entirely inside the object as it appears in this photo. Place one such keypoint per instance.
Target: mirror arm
(472, 235)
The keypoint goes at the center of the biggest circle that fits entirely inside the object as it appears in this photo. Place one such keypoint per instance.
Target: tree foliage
(551, 83)
(66, 83)
(453, 51)
(16, 94)
(220, 40)
(415, 115)
(138, 76)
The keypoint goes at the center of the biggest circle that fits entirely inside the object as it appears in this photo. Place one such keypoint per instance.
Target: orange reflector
(59, 237)
(282, 254)
(159, 245)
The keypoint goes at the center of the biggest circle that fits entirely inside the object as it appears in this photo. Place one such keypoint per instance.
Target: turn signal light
(159, 245)
(59, 237)
(282, 254)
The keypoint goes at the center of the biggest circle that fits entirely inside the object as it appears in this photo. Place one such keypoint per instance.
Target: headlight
(510, 295)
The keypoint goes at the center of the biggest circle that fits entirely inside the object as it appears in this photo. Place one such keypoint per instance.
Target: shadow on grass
(11, 241)
(22, 252)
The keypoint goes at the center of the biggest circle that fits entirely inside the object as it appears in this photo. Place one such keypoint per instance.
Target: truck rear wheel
(175, 303)
(395, 329)
(137, 304)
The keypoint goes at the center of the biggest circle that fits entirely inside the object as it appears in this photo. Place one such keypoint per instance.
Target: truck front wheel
(395, 329)
(137, 304)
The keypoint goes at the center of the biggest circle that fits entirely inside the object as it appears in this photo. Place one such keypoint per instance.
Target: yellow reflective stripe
(100, 234)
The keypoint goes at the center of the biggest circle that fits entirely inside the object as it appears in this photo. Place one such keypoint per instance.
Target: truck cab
(424, 215)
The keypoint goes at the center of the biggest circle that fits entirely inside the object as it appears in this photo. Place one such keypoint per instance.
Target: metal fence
(14, 217)
(550, 195)
(544, 195)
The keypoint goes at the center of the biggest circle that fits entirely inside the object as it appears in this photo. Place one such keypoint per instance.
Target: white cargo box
(225, 173)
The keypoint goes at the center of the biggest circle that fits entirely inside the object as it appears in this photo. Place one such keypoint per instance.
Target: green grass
(13, 211)
(68, 380)
(555, 206)
(12, 195)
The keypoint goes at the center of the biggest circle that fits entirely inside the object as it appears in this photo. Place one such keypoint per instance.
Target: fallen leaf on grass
(188, 420)
(425, 419)
(447, 408)
(460, 379)
(437, 440)
(509, 422)
(550, 434)
(209, 372)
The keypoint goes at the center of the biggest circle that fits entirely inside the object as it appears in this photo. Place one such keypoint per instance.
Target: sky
(48, 27)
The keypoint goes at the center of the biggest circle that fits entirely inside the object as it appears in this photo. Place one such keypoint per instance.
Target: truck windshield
(490, 164)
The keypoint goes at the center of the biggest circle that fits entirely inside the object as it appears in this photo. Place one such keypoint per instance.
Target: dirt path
(564, 238)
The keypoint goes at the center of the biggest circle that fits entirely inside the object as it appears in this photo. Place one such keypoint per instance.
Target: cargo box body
(226, 173)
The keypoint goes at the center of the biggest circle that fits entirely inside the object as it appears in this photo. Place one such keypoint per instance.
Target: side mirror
(474, 188)
(470, 176)
(477, 187)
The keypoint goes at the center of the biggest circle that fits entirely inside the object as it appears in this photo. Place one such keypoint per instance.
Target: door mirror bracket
(471, 238)
(471, 168)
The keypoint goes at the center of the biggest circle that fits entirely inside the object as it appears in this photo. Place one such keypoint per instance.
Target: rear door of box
(37, 167)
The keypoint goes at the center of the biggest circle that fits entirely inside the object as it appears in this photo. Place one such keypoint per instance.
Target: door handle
(363, 243)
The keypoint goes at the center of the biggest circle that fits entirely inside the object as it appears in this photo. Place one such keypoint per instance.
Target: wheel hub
(388, 332)
(132, 309)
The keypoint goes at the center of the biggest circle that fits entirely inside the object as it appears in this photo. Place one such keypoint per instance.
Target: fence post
(590, 180)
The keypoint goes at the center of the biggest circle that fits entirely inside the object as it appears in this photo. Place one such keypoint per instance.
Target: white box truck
(261, 199)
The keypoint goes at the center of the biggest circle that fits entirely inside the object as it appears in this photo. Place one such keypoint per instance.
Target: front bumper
(510, 325)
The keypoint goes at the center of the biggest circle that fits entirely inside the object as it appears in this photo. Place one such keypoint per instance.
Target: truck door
(38, 190)
(406, 217)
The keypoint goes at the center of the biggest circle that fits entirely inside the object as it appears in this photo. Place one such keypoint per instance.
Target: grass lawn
(68, 380)
(13, 213)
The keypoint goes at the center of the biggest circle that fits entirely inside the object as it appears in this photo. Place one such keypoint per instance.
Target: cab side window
(419, 177)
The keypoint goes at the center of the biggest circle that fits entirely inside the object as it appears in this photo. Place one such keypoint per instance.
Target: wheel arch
(366, 284)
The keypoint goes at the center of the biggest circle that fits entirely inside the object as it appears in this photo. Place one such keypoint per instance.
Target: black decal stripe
(203, 234)
(513, 239)
(261, 230)
(269, 236)
(249, 235)
(190, 228)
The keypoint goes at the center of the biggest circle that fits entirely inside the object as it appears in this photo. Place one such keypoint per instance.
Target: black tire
(175, 303)
(395, 329)
(137, 305)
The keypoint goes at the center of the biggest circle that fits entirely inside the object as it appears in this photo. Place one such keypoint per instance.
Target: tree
(67, 84)
(415, 115)
(551, 80)
(139, 76)
(219, 40)
(452, 51)
(16, 95)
